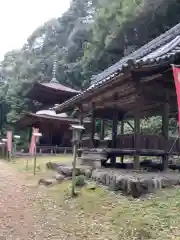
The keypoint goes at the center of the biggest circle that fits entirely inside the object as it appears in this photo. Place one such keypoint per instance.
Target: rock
(169, 182)
(88, 172)
(91, 186)
(59, 178)
(126, 186)
(67, 171)
(119, 183)
(51, 165)
(113, 185)
(135, 189)
(165, 182)
(47, 182)
(99, 176)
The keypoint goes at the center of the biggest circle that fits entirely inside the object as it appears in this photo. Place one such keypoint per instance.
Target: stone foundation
(135, 183)
(128, 181)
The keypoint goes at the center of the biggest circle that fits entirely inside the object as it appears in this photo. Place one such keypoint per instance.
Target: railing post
(165, 132)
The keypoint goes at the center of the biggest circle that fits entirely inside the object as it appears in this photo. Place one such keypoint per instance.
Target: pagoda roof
(48, 121)
(51, 93)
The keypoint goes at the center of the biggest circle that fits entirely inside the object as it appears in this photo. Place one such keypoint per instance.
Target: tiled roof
(161, 49)
(51, 92)
(31, 118)
(60, 87)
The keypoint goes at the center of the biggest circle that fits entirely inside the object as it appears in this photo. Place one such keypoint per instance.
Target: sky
(19, 18)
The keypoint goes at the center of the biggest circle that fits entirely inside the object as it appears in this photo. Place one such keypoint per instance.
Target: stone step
(93, 158)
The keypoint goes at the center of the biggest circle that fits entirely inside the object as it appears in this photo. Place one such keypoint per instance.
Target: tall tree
(87, 38)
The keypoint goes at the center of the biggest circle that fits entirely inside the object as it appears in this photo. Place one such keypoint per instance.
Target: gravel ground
(21, 214)
(29, 212)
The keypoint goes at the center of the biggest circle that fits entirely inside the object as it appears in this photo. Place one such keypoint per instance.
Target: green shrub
(80, 181)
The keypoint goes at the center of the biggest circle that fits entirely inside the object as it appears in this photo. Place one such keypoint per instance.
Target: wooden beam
(136, 140)
(114, 128)
(92, 121)
(102, 129)
(114, 131)
(151, 78)
(118, 82)
(130, 125)
(107, 113)
(122, 132)
(151, 69)
(165, 132)
(81, 122)
(165, 120)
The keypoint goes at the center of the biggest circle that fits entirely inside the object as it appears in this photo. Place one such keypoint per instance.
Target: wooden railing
(149, 142)
(53, 150)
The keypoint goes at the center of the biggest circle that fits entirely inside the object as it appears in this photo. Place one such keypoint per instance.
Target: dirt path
(29, 212)
(20, 215)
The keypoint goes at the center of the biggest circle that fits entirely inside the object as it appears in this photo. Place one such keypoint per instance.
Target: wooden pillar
(114, 132)
(50, 138)
(81, 122)
(165, 132)
(92, 122)
(102, 129)
(81, 119)
(122, 132)
(136, 140)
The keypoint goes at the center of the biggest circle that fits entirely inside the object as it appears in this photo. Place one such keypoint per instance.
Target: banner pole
(35, 156)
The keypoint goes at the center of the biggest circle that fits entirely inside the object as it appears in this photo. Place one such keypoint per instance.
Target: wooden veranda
(139, 85)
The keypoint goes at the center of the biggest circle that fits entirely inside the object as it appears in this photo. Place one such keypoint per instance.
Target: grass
(113, 216)
(20, 165)
(99, 214)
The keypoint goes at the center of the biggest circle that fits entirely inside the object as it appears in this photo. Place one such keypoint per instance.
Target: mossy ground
(100, 214)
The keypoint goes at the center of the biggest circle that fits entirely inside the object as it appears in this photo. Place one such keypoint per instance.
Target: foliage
(80, 181)
(87, 38)
(121, 26)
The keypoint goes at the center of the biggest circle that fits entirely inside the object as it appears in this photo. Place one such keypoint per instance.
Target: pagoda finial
(54, 80)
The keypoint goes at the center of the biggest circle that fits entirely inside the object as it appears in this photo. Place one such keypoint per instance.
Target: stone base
(135, 183)
(89, 162)
(130, 182)
(93, 158)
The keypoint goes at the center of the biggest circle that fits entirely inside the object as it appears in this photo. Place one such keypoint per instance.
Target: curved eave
(34, 120)
(51, 93)
(120, 76)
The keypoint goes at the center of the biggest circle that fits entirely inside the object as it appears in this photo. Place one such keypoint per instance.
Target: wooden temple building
(139, 85)
(55, 128)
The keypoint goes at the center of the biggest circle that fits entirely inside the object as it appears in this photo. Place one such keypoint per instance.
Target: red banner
(9, 140)
(176, 74)
(33, 141)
